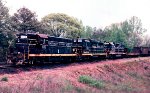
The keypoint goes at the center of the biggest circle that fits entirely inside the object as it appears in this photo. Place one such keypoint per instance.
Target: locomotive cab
(81, 45)
(114, 50)
(26, 44)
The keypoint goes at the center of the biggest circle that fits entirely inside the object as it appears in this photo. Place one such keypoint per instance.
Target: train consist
(39, 48)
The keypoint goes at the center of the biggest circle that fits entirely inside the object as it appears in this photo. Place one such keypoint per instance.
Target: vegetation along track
(9, 69)
(129, 75)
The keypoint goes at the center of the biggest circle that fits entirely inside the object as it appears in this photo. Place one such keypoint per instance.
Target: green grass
(91, 82)
(4, 79)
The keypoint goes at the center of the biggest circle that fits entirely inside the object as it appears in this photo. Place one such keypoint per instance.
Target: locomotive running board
(100, 54)
(63, 55)
(50, 55)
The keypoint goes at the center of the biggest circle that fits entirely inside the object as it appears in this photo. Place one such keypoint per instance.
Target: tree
(25, 21)
(98, 34)
(146, 42)
(128, 32)
(88, 31)
(6, 35)
(133, 30)
(4, 17)
(113, 33)
(136, 31)
(57, 24)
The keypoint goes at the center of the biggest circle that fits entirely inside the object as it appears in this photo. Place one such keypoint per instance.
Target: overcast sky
(96, 13)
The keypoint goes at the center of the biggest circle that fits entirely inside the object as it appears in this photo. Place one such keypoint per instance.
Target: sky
(95, 13)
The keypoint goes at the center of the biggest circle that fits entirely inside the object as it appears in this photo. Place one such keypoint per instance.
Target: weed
(39, 77)
(126, 88)
(4, 79)
(35, 89)
(108, 68)
(80, 90)
(91, 82)
(69, 87)
(121, 76)
(135, 75)
(5, 89)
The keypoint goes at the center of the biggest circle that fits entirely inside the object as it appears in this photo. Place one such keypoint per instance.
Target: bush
(91, 82)
(4, 79)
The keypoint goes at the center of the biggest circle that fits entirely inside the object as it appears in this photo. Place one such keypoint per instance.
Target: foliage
(128, 33)
(25, 21)
(91, 82)
(88, 32)
(4, 79)
(134, 32)
(4, 23)
(146, 41)
(6, 35)
(99, 34)
(59, 24)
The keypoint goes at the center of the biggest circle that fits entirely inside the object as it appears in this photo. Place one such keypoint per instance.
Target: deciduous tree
(24, 20)
(57, 24)
(6, 35)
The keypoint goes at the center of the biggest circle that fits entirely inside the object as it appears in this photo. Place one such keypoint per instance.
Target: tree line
(128, 32)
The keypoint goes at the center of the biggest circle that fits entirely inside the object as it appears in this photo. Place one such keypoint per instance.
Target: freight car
(139, 51)
(34, 48)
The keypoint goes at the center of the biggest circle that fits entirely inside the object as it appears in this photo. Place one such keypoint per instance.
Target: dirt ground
(130, 75)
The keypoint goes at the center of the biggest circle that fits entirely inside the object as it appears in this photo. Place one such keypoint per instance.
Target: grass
(91, 82)
(35, 89)
(135, 75)
(5, 89)
(69, 88)
(4, 79)
(80, 90)
(125, 87)
(39, 77)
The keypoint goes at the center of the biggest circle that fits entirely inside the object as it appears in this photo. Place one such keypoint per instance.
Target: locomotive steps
(121, 75)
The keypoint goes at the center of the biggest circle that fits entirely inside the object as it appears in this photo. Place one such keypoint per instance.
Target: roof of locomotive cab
(42, 35)
(94, 41)
(24, 34)
(90, 40)
(33, 34)
(59, 39)
(83, 39)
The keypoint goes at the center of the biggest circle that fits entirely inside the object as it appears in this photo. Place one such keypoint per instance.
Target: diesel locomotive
(35, 48)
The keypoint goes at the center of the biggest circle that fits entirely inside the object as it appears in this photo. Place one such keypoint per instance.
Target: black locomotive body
(115, 49)
(40, 48)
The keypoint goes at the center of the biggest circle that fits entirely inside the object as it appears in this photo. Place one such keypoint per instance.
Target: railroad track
(9, 69)
(49, 65)
(4, 66)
